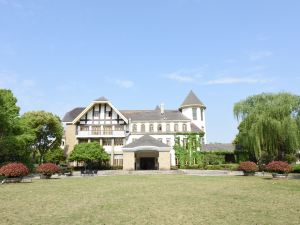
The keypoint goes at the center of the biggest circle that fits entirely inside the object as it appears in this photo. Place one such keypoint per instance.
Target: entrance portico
(146, 153)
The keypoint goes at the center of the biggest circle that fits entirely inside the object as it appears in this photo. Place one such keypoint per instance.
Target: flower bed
(13, 170)
(279, 167)
(249, 168)
(47, 170)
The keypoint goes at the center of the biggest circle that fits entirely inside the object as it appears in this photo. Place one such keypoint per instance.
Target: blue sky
(56, 55)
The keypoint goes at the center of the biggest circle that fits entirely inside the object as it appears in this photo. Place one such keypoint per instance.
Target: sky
(56, 55)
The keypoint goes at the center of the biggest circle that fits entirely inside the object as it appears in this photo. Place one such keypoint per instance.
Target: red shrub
(14, 170)
(248, 166)
(48, 169)
(279, 167)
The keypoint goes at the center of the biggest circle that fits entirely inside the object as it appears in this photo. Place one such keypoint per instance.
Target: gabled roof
(101, 99)
(191, 100)
(147, 141)
(71, 115)
(154, 115)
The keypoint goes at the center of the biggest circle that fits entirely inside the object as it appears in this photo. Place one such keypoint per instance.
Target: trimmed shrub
(248, 167)
(296, 168)
(48, 169)
(14, 170)
(279, 167)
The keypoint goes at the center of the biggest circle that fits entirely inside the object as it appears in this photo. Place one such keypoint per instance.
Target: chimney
(162, 108)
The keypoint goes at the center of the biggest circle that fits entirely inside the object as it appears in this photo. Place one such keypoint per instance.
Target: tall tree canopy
(270, 126)
(47, 130)
(14, 140)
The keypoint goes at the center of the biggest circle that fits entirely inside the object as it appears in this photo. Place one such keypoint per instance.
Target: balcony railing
(101, 133)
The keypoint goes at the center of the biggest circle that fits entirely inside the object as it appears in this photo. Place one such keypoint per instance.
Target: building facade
(135, 139)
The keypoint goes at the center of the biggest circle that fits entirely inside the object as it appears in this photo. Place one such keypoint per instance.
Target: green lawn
(157, 199)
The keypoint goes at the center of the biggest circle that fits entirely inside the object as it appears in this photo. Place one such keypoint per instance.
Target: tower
(194, 109)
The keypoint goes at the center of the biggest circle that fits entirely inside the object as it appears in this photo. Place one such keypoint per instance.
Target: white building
(136, 139)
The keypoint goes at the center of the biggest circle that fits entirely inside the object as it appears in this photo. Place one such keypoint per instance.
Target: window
(143, 129)
(184, 127)
(151, 128)
(194, 113)
(106, 142)
(96, 114)
(84, 128)
(134, 139)
(119, 127)
(159, 128)
(168, 141)
(176, 127)
(134, 128)
(201, 114)
(168, 127)
(118, 141)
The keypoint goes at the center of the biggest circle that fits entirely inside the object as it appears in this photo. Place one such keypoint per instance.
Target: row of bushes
(274, 167)
(12, 170)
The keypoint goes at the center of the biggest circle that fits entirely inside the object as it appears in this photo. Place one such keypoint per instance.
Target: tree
(270, 126)
(88, 152)
(55, 156)
(14, 138)
(47, 131)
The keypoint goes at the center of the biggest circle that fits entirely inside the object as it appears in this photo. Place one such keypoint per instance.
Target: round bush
(48, 169)
(14, 170)
(248, 167)
(279, 167)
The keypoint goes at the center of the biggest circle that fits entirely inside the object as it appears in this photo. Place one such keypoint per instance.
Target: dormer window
(168, 127)
(151, 128)
(143, 128)
(134, 128)
(176, 127)
(184, 127)
(159, 128)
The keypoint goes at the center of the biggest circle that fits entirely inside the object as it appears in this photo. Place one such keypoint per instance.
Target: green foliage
(213, 159)
(87, 152)
(55, 156)
(270, 126)
(186, 153)
(14, 140)
(296, 168)
(46, 129)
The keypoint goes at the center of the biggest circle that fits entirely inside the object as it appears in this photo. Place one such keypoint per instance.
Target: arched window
(176, 127)
(151, 128)
(134, 128)
(184, 127)
(159, 128)
(143, 128)
(168, 127)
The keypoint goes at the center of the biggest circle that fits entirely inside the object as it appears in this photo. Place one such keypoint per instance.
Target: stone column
(101, 142)
(128, 160)
(112, 152)
(164, 161)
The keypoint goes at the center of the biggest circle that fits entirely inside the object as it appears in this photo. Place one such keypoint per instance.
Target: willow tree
(269, 126)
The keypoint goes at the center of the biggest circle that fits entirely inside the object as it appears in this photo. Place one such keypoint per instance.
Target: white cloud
(180, 78)
(124, 83)
(186, 76)
(238, 80)
(253, 56)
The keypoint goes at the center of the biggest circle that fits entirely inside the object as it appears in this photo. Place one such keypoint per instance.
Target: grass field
(157, 199)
